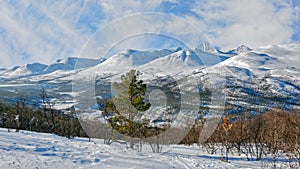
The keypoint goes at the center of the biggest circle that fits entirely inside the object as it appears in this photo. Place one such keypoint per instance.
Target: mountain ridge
(275, 66)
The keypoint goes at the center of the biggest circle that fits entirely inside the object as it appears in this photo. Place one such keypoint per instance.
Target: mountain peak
(240, 49)
(35, 67)
(206, 47)
(130, 51)
(176, 49)
(243, 48)
(59, 60)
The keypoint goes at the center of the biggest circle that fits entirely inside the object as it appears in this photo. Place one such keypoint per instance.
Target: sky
(44, 31)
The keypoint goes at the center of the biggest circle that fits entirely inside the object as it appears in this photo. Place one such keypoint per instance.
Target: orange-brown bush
(273, 132)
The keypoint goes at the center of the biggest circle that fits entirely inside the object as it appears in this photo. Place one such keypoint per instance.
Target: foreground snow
(36, 150)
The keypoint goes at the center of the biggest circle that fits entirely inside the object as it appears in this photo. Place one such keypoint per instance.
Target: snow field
(38, 150)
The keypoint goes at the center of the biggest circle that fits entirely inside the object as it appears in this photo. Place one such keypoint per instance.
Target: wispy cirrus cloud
(35, 31)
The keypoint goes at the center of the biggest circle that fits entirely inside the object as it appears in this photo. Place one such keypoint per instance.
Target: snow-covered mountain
(244, 70)
(268, 76)
(71, 64)
(7, 71)
(207, 47)
(28, 69)
(40, 71)
(173, 60)
(167, 61)
(133, 58)
(240, 49)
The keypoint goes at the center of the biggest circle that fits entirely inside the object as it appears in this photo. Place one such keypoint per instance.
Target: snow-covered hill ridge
(267, 58)
(275, 66)
(169, 58)
(277, 60)
(36, 69)
(27, 69)
(204, 54)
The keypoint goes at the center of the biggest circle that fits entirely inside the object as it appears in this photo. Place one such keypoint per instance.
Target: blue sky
(43, 31)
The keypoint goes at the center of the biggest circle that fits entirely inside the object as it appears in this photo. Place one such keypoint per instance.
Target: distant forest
(47, 120)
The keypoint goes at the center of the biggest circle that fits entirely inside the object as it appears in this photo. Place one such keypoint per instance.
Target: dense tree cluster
(20, 117)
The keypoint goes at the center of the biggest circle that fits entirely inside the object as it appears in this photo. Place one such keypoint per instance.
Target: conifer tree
(128, 105)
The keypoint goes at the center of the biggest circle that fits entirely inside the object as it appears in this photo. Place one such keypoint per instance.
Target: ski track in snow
(38, 150)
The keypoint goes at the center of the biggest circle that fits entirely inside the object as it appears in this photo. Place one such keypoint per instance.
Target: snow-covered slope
(151, 63)
(40, 70)
(278, 61)
(6, 72)
(28, 69)
(38, 150)
(179, 61)
(71, 64)
(268, 76)
(207, 47)
(135, 58)
(172, 61)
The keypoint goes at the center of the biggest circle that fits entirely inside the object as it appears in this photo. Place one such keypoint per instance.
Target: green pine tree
(128, 105)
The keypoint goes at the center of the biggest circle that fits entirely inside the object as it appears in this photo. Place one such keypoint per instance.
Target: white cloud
(43, 31)
(115, 9)
(133, 32)
(36, 32)
(254, 23)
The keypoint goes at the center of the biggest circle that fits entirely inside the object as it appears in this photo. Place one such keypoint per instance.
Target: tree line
(18, 116)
